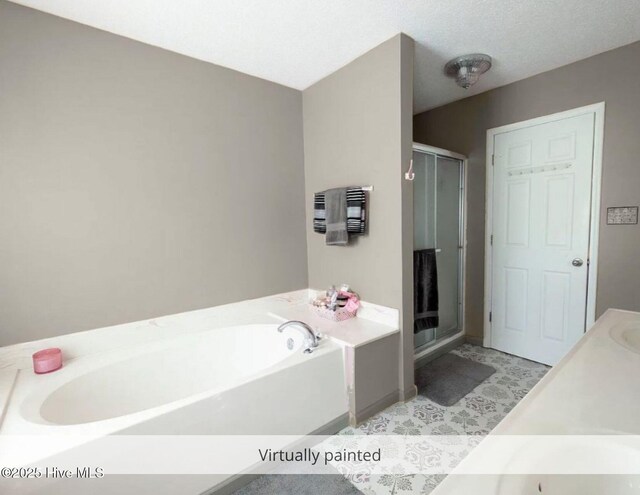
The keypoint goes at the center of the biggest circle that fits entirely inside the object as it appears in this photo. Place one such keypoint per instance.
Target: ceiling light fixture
(468, 68)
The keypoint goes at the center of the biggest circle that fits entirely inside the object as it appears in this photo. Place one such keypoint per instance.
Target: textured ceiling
(298, 42)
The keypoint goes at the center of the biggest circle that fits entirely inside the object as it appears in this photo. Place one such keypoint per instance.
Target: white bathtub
(246, 379)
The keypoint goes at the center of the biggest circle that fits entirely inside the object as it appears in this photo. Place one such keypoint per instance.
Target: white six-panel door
(541, 212)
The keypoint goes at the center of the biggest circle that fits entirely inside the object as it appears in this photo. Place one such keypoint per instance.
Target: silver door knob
(577, 262)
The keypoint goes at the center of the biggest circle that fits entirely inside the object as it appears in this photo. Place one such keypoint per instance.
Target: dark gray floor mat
(450, 377)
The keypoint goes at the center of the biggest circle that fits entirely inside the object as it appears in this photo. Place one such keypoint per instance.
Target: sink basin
(595, 465)
(627, 335)
(570, 485)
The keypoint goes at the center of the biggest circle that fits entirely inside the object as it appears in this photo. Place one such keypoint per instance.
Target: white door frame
(594, 224)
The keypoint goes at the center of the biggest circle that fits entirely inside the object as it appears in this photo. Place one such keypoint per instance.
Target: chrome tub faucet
(311, 338)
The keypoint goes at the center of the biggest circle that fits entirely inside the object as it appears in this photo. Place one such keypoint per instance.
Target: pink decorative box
(339, 314)
(47, 360)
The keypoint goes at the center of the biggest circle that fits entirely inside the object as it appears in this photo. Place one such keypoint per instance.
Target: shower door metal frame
(462, 246)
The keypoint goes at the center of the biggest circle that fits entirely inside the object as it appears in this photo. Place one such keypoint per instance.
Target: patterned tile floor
(476, 414)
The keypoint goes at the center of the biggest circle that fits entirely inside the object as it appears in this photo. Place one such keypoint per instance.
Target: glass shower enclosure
(438, 206)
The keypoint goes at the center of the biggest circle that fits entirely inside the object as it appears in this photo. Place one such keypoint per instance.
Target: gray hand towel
(336, 212)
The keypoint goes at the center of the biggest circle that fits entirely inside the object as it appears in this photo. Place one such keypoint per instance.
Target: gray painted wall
(357, 131)
(135, 182)
(375, 377)
(461, 126)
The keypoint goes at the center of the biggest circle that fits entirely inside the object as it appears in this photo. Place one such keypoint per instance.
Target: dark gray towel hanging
(356, 211)
(425, 290)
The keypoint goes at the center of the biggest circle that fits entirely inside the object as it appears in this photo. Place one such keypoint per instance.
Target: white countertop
(373, 322)
(593, 390)
(7, 380)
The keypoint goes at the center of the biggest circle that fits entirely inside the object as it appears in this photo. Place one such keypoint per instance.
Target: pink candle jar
(47, 360)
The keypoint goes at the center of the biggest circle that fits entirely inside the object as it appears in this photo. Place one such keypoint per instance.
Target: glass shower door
(448, 174)
(424, 219)
(437, 225)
